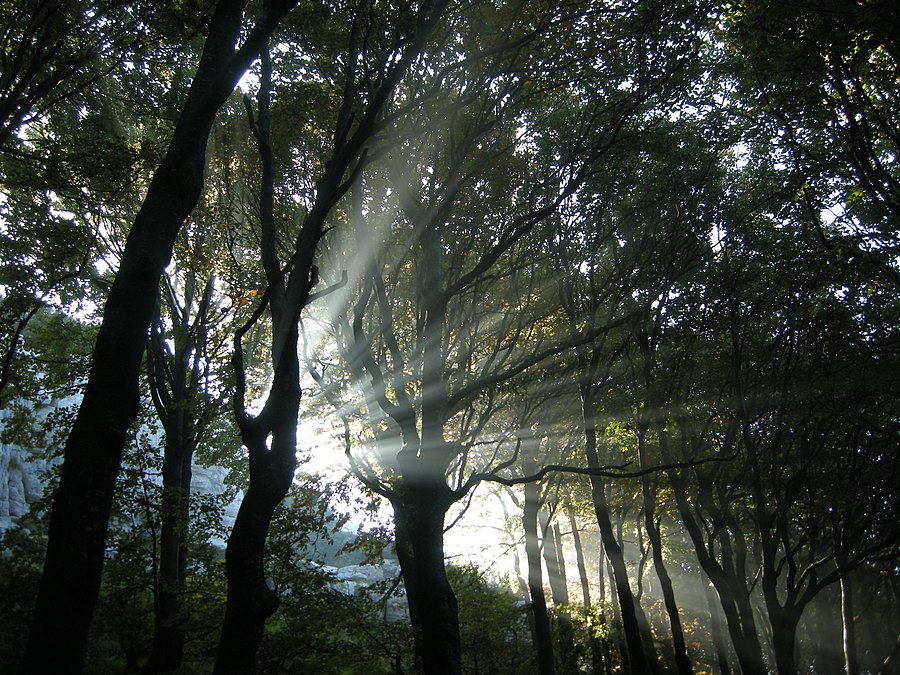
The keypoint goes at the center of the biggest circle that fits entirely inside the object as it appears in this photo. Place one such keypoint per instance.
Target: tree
(649, 244)
(187, 398)
(528, 446)
(789, 437)
(405, 374)
(54, 50)
(822, 82)
(777, 407)
(80, 513)
(73, 138)
(289, 289)
(611, 270)
(559, 591)
(447, 274)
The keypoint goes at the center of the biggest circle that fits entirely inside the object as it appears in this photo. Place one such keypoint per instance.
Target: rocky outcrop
(374, 580)
(25, 470)
(20, 483)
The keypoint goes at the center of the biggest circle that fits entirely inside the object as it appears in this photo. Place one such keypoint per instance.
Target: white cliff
(22, 466)
(24, 471)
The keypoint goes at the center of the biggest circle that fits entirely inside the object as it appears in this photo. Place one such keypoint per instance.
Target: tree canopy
(626, 271)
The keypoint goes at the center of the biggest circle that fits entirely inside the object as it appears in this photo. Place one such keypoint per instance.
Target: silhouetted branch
(609, 471)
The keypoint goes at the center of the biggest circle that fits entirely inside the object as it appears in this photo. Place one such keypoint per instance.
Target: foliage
(21, 555)
(666, 232)
(493, 628)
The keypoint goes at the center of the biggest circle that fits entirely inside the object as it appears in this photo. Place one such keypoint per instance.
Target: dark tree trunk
(616, 621)
(627, 604)
(168, 628)
(639, 661)
(733, 595)
(648, 490)
(682, 661)
(715, 629)
(643, 622)
(741, 626)
(174, 382)
(419, 519)
(543, 642)
(250, 598)
(784, 639)
(93, 450)
(251, 601)
(422, 497)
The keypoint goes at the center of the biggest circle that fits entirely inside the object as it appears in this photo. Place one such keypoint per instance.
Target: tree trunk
(735, 601)
(250, 598)
(627, 605)
(617, 621)
(579, 557)
(642, 620)
(640, 663)
(174, 380)
(648, 491)
(737, 609)
(419, 519)
(733, 595)
(784, 639)
(168, 628)
(851, 660)
(81, 507)
(593, 642)
(682, 660)
(556, 572)
(891, 664)
(543, 641)
(715, 630)
(517, 563)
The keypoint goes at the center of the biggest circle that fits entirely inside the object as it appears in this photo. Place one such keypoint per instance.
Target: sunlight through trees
(449, 337)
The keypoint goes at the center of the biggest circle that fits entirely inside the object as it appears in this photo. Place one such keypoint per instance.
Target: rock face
(22, 480)
(352, 578)
(210, 480)
(22, 468)
(20, 483)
